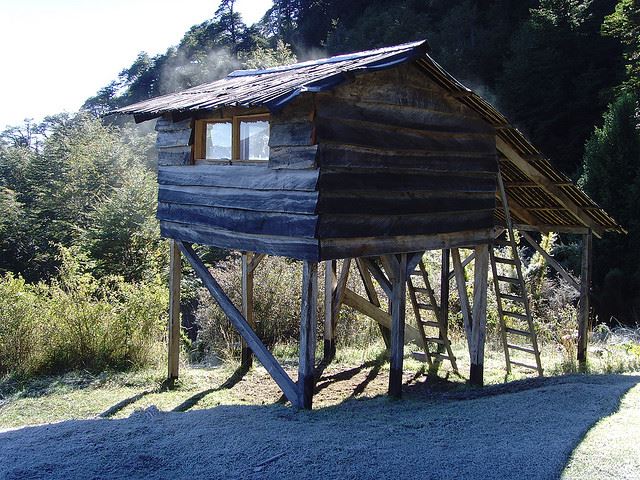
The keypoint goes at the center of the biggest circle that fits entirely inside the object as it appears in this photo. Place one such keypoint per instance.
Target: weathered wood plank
(345, 226)
(373, 246)
(294, 247)
(244, 221)
(246, 356)
(276, 201)
(174, 156)
(293, 157)
(398, 312)
(461, 282)
(174, 138)
(240, 323)
(378, 274)
(479, 315)
(404, 181)
(330, 286)
(175, 275)
(361, 304)
(308, 327)
(364, 91)
(405, 116)
(165, 124)
(250, 177)
(382, 136)
(341, 287)
(372, 295)
(552, 261)
(409, 202)
(291, 134)
(584, 318)
(334, 155)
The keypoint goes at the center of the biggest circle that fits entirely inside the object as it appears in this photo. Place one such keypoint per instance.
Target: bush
(277, 292)
(78, 322)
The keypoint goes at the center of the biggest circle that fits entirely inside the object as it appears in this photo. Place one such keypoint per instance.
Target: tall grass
(76, 321)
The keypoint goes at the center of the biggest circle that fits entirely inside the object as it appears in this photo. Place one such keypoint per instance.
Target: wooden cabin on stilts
(367, 160)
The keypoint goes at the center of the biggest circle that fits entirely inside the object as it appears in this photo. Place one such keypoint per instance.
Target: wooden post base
(476, 375)
(246, 358)
(329, 350)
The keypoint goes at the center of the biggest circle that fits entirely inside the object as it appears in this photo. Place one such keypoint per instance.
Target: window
(233, 140)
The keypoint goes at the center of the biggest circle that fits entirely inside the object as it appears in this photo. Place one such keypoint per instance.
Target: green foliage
(122, 235)
(624, 24)
(56, 190)
(611, 176)
(556, 78)
(78, 322)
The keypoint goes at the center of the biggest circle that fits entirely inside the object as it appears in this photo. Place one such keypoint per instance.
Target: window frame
(200, 139)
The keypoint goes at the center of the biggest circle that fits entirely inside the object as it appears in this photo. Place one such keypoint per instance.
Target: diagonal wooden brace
(265, 357)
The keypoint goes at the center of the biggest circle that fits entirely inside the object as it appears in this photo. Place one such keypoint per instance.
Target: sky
(57, 53)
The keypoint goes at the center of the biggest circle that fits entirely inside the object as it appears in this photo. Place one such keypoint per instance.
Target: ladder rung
(436, 340)
(522, 349)
(502, 278)
(438, 356)
(519, 316)
(508, 261)
(502, 243)
(429, 323)
(532, 367)
(421, 290)
(416, 273)
(420, 356)
(513, 298)
(515, 331)
(424, 306)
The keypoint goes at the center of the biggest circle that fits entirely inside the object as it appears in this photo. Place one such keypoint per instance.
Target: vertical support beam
(175, 274)
(308, 326)
(370, 289)
(461, 283)
(479, 315)
(398, 265)
(330, 286)
(585, 287)
(444, 294)
(246, 359)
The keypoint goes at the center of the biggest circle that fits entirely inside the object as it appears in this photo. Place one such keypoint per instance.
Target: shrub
(78, 322)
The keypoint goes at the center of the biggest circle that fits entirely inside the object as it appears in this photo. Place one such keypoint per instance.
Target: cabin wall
(267, 208)
(399, 157)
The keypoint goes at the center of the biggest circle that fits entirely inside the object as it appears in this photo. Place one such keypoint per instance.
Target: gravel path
(528, 432)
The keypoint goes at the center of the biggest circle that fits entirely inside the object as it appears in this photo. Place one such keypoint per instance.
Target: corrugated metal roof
(275, 87)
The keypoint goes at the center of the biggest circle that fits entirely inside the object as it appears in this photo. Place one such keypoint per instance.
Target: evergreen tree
(611, 176)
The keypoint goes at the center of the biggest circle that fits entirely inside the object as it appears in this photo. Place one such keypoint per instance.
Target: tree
(611, 176)
(557, 78)
(624, 24)
(122, 233)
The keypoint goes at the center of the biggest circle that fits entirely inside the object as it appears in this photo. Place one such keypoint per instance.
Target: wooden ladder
(423, 300)
(514, 298)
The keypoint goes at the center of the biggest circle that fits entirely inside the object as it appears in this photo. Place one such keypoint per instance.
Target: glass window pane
(218, 141)
(254, 140)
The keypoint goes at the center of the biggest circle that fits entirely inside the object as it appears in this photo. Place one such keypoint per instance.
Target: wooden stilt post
(479, 315)
(308, 326)
(372, 295)
(330, 286)
(585, 287)
(444, 295)
(398, 300)
(175, 273)
(246, 359)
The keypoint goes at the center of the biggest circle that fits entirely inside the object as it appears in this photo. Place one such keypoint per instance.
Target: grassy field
(611, 449)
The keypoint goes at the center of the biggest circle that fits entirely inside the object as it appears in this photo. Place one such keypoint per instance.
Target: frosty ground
(527, 429)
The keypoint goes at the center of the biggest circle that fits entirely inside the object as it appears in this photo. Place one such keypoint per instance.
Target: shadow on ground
(527, 431)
